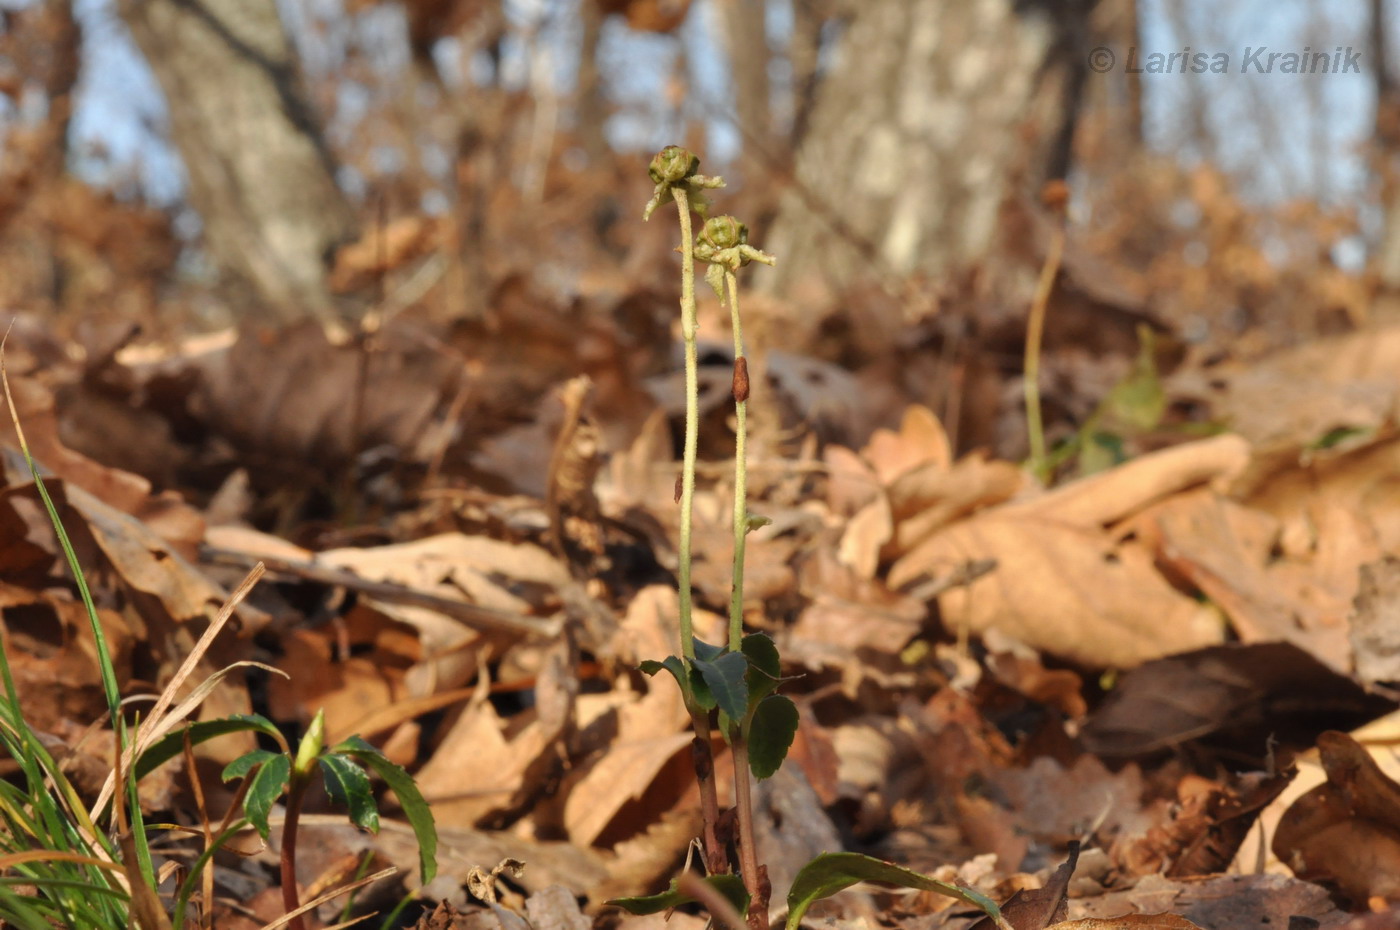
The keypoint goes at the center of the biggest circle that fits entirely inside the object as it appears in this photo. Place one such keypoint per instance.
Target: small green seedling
(270, 775)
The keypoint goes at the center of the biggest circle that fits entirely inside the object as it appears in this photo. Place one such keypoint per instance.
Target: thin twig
(473, 615)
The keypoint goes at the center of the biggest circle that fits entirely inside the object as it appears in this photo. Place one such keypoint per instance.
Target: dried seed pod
(741, 380)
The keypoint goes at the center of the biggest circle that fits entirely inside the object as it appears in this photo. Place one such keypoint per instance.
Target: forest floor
(1176, 647)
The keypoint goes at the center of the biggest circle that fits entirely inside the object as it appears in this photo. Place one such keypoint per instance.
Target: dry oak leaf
(1066, 591)
(920, 440)
(485, 765)
(1063, 584)
(1129, 922)
(649, 729)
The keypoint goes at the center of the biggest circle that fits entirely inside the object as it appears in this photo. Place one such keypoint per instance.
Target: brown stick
(471, 614)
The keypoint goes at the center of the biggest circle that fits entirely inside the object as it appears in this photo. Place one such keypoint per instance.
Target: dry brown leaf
(851, 482)
(1219, 901)
(1128, 922)
(1375, 635)
(927, 498)
(286, 399)
(1065, 590)
(1235, 689)
(1110, 496)
(1194, 534)
(382, 249)
(649, 730)
(178, 524)
(1361, 482)
(457, 567)
(857, 629)
(1204, 828)
(451, 558)
(866, 534)
(486, 765)
(1054, 804)
(920, 441)
(1036, 909)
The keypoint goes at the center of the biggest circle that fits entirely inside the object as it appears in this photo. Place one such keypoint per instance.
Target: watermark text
(1252, 59)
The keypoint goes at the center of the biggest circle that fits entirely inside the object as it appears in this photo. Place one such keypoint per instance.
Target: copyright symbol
(1101, 59)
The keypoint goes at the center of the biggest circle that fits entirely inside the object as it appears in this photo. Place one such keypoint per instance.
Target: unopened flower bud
(724, 232)
(673, 164)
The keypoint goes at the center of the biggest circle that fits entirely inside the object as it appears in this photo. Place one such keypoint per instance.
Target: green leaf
(714, 277)
(684, 677)
(829, 873)
(705, 651)
(725, 679)
(765, 666)
(268, 784)
(348, 785)
(771, 732)
(246, 763)
(172, 744)
(419, 815)
(731, 886)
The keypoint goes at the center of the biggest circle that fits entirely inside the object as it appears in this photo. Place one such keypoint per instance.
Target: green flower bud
(311, 745)
(724, 232)
(673, 164)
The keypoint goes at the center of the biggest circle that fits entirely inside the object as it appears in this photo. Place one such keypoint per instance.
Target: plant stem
(702, 755)
(1035, 332)
(692, 417)
(702, 758)
(741, 432)
(291, 898)
(755, 876)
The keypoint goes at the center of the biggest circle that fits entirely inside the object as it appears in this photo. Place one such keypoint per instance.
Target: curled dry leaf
(1067, 591)
(649, 728)
(1244, 692)
(1347, 831)
(1063, 584)
(1227, 552)
(486, 765)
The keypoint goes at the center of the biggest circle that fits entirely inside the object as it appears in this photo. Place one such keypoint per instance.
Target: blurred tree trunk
(746, 42)
(933, 115)
(259, 175)
(1387, 150)
(809, 18)
(1114, 23)
(592, 102)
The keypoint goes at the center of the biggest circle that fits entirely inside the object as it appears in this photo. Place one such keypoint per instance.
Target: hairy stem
(741, 432)
(692, 417)
(703, 757)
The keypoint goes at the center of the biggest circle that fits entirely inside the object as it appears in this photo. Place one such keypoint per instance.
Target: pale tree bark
(592, 106)
(934, 114)
(1386, 260)
(259, 174)
(746, 42)
(809, 18)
